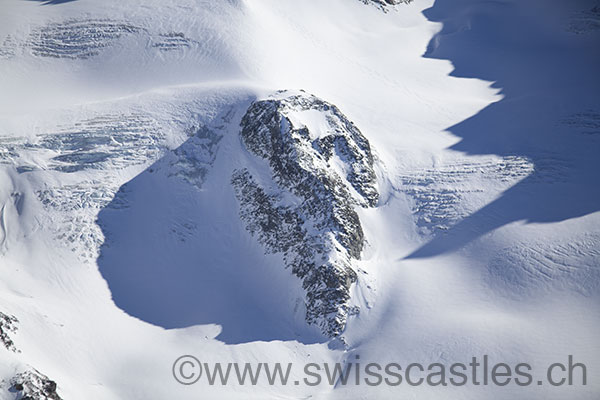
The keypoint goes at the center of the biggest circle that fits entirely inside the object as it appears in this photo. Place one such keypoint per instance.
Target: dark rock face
(33, 385)
(384, 3)
(318, 174)
(8, 324)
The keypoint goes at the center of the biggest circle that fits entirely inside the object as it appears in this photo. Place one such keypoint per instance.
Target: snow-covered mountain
(278, 181)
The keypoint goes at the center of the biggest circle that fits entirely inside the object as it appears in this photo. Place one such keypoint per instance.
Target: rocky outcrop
(384, 4)
(8, 325)
(320, 167)
(392, 2)
(33, 385)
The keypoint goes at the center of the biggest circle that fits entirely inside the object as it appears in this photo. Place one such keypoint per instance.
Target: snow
(484, 119)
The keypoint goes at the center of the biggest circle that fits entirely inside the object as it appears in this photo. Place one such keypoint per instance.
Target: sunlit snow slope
(296, 181)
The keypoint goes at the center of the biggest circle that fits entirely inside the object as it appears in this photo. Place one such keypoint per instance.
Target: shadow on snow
(550, 110)
(177, 256)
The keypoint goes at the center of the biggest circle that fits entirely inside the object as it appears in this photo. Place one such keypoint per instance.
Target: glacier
(296, 182)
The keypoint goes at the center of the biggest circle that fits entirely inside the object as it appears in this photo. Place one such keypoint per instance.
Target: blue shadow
(550, 111)
(176, 256)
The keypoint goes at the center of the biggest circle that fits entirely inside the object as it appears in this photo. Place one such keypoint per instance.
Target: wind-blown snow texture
(296, 181)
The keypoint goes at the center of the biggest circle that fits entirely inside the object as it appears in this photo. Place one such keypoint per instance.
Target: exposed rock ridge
(33, 385)
(385, 4)
(320, 169)
(8, 324)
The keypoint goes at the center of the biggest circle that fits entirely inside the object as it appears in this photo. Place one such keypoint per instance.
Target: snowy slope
(126, 243)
